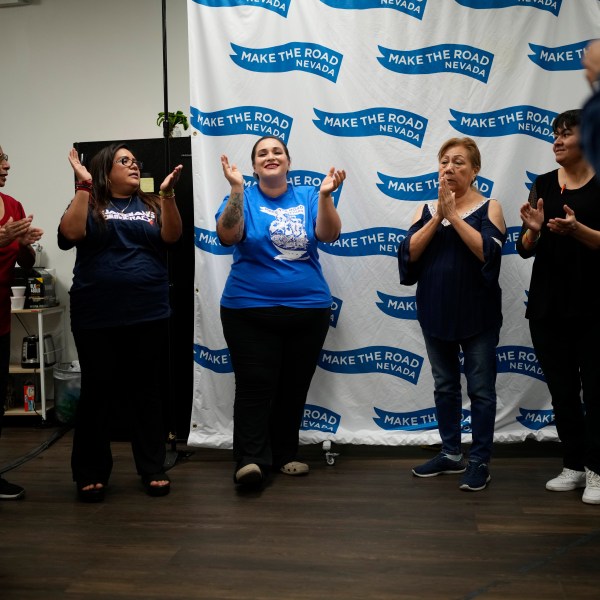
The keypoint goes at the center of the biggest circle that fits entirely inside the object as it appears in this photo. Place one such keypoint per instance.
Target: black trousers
(274, 353)
(122, 379)
(568, 351)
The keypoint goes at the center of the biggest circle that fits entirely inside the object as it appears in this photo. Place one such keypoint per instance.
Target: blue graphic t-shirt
(120, 275)
(277, 261)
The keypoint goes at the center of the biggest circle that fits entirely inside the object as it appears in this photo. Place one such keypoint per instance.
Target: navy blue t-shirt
(120, 275)
(458, 296)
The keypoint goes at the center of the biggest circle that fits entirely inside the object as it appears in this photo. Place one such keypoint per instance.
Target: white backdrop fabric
(375, 87)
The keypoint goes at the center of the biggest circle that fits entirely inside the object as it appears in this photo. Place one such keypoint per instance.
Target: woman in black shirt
(561, 228)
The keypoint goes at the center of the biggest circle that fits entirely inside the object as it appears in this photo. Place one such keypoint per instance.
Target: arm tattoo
(233, 215)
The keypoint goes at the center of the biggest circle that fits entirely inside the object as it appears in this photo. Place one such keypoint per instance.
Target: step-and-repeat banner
(375, 87)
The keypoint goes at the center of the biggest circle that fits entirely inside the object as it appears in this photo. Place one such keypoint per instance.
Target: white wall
(75, 71)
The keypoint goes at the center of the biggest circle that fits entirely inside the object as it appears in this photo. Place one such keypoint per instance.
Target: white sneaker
(591, 494)
(566, 481)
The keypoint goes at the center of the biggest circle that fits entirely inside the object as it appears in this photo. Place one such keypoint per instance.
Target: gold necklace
(118, 209)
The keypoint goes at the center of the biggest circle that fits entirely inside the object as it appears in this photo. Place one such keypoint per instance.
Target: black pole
(171, 456)
(165, 89)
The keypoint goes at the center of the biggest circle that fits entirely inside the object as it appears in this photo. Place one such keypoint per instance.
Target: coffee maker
(30, 352)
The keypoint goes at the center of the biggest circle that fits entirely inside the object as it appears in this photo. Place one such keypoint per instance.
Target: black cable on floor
(33, 453)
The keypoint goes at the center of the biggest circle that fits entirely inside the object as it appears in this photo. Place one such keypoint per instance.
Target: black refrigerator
(153, 153)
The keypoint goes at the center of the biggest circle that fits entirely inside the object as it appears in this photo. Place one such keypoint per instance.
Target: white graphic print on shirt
(288, 232)
(139, 215)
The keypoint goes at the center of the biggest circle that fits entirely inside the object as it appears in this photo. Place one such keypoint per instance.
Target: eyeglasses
(4, 157)
(128, 162)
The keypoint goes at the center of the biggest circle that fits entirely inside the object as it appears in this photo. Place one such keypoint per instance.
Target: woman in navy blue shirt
(453, 251)
(119, 313)
(276, 304)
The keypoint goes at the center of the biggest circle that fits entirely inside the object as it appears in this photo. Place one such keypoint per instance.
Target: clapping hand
(446, 199)
(332, 181)
(564, 226)
(81, 173)
(19, 230)
(533, 217)
(231, 172)
(166, 187)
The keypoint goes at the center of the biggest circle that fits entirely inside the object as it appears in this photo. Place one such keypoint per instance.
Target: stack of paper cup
(17, 299)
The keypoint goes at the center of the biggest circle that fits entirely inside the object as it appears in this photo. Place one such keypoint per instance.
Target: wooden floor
(361, 529)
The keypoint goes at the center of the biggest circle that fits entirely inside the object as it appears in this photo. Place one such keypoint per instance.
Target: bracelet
(170, 194)
(84, 186)
(529, 240)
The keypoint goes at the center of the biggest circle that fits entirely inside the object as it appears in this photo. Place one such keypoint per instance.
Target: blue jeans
(480, 371)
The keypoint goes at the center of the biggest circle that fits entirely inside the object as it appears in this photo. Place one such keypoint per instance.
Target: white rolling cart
(44, 369)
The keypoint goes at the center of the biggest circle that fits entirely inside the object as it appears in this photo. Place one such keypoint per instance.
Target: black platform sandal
(156, 490)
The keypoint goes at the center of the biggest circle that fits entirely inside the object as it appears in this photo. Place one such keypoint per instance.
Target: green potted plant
(174, 119)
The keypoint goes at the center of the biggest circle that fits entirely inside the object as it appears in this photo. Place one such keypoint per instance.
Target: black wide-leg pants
(568, 351)
(123, 371)
(274, 353)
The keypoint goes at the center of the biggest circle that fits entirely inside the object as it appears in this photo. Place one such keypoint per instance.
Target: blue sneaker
(439, 465)
(476, 477)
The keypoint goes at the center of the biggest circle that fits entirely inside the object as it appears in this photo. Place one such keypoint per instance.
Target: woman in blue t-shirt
(453, 251)
(119, 313)
(276, 304)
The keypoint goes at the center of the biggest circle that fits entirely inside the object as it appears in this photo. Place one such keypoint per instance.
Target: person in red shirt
(16, 237)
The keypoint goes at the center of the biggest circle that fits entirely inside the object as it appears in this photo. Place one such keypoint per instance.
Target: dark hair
(470, 146)
(566, 120)
(269, 137)
(100, 167)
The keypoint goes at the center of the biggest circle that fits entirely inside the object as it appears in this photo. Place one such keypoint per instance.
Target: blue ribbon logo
(418, 420)
(561, 58)
(535, 419)
(392, 122)
(518, 359)
(277, 6)
(295, 56)
(373, 359)
(336, 309)
(254, 120)
(443, 58)
(529, 120)
(552, 6)
(208, 241)
(317, 418)
(218, 361)
(531, 177)
(378, 241)
(510, 245)
(414, 8)
(301, 177)
(398, 307)
(423, 187)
